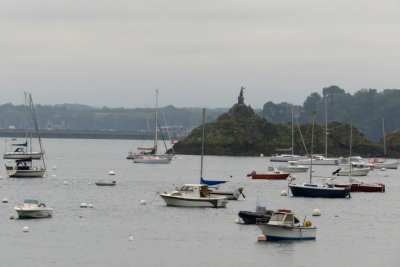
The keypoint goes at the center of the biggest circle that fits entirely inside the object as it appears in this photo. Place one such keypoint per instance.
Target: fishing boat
(193, 195)
(272, 174)
(213, 185)
(322, 190)
(150, 155)
(293, 166)
(33, 209)
(250, 217)
(283, 226)
(24, 167)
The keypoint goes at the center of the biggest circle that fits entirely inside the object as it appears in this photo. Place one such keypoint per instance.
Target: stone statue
(241, 98)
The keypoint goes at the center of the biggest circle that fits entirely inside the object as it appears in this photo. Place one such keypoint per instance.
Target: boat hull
(363, 187)
(283, 232)
(152, 160)
(20, 155)
(229, 194)
(34, 213)
(354, 172)
(32, 173)
(303, 191)
(285, 158)
(386, 165)
(208, 202)
(249, 217)
(292, 169)
(271, 176)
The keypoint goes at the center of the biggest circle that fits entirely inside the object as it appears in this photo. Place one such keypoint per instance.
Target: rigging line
(169, 136)
(301, 135)
(166, 149)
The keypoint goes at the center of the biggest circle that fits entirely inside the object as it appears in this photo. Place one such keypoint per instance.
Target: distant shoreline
(87, 134)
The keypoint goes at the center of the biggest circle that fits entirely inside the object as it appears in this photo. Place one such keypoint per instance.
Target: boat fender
(307, 223)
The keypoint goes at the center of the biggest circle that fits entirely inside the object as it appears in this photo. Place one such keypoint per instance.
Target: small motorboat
(250, 217)
(355, 171)
(213, 187)
(293, 166)
(283, 226)
(356, 185)
(33, 209)
(273, 174)
(101, 183)
(193, 195)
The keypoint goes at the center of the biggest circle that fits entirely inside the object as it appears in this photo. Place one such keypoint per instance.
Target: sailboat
(24, 167)
(382, 162)
(357, 185)
(287, 157)
(213, 185)
(310, 189)
(150, 155)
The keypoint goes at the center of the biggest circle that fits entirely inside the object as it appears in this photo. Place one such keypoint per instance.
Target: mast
(155, 125)
(292, 134)
(326, 127)
(312, 144)
(384, 137)
(351, 144)
(202, 145)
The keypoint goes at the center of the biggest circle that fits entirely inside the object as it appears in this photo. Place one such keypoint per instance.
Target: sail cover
(211, 182)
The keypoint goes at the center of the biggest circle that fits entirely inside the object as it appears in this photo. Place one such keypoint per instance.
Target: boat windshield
(277, 217)
(31, 201)
(186, 188)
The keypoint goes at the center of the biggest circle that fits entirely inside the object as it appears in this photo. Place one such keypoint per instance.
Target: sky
(196, 53)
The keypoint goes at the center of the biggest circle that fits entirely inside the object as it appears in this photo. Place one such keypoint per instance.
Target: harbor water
(119, 231)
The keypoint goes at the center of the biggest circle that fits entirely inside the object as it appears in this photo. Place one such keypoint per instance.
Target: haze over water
(361, 231)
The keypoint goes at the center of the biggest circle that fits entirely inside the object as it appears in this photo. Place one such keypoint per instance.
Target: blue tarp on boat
(211, 182)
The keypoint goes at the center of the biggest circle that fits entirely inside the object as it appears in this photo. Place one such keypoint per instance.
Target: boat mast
(351, 144)
(384, 137)
(312, 144)
(155, 125)
(326, 127)
(292, 134)
(202, 145)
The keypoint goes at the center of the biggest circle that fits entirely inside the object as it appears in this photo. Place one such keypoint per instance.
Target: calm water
(361, 231)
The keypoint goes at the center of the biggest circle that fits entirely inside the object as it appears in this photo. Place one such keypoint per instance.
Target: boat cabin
(195, 190)
(283, 217)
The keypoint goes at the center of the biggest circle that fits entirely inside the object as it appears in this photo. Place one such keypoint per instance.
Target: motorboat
(383, 163)
(233, 194)
(354, 171)
(272, 174)
(103, 183)
(356, 162)
(357, 185)
(25, 169)
(293, 166)
(33, 209)
(319, 160)
(193, 195)
(250, 217)
(283, 226)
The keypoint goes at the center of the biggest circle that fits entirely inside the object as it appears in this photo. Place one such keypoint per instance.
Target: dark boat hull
(249, 217)
(303, 191)
(363, 188)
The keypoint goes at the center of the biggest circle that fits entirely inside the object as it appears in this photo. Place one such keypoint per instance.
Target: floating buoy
(65, 182)
(293, 177)
(283, 193)
(131, 237)
(11, 216)
(53, 175)
(111, 173)
(261, 155)
(261, 238)
(316, 212)
(336, 215)
(383, 169)
(386, 175)
(307, 224)
(5, 200)
(54, 167)
(91, 205)
(180, 158)
(143, 202)
(83, 205)
(25, 229)
(58, 158)
(237, 221)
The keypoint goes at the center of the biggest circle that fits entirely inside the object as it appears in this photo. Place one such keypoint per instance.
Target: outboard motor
(336, 172)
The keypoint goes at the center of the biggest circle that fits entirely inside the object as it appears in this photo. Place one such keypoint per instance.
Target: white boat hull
(22, 155)
(33, 173)
(385, 165)
(319, 162)
(292, 169)
(285, 158)
(283, 232)
(34, 212)
(229, 194)
(153, 159)
(207, 202)
(354, 172)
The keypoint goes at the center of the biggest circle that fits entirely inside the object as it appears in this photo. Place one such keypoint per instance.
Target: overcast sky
(197, 53)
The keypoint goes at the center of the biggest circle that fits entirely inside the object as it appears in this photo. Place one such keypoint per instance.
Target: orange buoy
(262, 238)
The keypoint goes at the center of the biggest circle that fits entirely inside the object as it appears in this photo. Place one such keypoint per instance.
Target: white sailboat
(24, 167)
(150, 155)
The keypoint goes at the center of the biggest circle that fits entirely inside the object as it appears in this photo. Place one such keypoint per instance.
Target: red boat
(359, 186)
(272, 174)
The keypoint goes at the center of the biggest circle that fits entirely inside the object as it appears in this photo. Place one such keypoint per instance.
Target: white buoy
(5, 200)
(54, 167)
(261, 155)
(180, 158)
(131, 237)
(316, 212)
(91, 205)
(143, 202)
(65, 182)
(11, 216)
(25, 229)
(283, 193)
(111, 173)
(83, 205)
(383, 169)
(237, 221)
(261, 238)
(53, 175)
(386, 175)
(9, 161)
